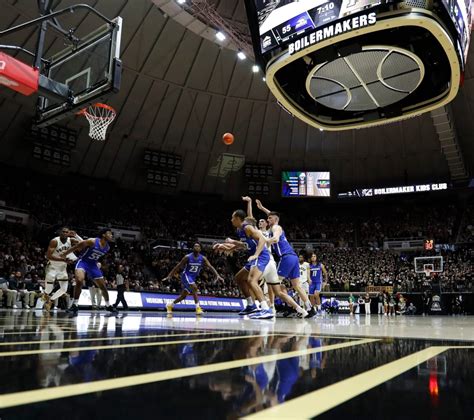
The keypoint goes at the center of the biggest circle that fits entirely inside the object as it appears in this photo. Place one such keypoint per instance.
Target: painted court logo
(338, 28)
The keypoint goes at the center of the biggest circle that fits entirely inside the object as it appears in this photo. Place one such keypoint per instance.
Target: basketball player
(229, 250)
(56, 268)
(270, 271)
(317, 270)
(304, 274)
(253, 240)
(192, 264)
(93, 249)
(270, 275)
(288, 267)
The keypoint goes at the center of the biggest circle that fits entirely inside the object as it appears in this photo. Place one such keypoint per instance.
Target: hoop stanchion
(100, 116)
(17, 75)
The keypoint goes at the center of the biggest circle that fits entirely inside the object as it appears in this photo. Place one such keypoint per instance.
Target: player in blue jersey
(270, 275)
(192, 264)
(316, 273)
(289, 266)
(254, 242)
(93, 250)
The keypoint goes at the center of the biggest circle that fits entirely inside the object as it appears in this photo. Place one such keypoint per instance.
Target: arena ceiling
(181, 92)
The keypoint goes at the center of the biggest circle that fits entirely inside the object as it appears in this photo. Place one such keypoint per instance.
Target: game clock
(279, 21)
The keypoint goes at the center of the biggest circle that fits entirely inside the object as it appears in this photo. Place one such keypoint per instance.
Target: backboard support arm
(51, 15)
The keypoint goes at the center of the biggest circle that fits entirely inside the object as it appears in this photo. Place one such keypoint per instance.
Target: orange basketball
(228, 139)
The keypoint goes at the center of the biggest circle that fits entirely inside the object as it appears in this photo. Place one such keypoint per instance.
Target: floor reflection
(142, 345)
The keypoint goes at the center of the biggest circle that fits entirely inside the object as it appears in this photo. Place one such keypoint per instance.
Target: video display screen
(460, 13)
(306, 184)
(281, 20)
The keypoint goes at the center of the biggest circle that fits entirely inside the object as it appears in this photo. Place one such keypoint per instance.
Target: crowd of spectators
(355, 236)
(22, 265)
(355, 269)
(409, 221)
(52, 201)
(467, 225)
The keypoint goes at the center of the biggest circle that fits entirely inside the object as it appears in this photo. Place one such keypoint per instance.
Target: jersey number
(95, 256)
(193, 269)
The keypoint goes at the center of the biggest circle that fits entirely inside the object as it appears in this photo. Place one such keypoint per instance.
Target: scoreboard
(280, 21)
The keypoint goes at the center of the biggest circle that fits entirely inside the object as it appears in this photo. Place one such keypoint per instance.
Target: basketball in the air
(228, 139)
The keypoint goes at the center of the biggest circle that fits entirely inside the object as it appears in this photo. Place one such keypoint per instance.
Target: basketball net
(428, 272)
(100, 116)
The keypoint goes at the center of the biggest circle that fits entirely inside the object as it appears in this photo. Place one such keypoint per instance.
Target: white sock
(197, 305)
(319, 307)
(308, 305)
(75, 302)
(249, 301)
(264, 305)
(299, 309)
(107, 303)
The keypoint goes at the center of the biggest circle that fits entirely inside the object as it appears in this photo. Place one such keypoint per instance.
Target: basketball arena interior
(224, 209)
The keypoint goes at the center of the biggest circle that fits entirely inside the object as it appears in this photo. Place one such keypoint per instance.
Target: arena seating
(353, 235)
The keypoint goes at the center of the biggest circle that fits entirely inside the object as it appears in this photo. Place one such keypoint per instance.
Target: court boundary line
(17, 353)
(39, 395)
(322, 400)
(125, 337)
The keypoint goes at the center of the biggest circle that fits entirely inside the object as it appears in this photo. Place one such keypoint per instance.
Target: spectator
(12, 291)
(386, 300)
(3, 289)
(411, 310)
(380, 303)
(25, 291)
(392, 302)
(367, 302)
(352, 301)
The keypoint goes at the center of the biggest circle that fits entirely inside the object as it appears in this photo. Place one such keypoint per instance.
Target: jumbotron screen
(305, 184)
(281, 20)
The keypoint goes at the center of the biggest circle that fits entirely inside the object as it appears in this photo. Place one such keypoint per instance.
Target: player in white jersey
(56, 269)
(305, 279)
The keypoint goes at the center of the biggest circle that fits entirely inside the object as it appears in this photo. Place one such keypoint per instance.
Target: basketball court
(337, 366)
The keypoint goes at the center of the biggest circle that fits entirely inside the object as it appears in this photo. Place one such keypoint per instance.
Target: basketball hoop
(428, 272)
(100, 116)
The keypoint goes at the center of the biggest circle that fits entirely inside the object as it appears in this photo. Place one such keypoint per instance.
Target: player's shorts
(91, 269)
(187, 281)
(261, 262)
(289, 267)
(56, 272)
(305, 286)
(315, 287)
(270, 274)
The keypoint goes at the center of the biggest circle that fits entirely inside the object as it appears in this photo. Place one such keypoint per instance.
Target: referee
(122, 285)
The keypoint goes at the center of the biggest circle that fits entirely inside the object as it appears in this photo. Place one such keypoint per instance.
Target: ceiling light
(255, 69)
(220, 36)
(263, 78)
(181, 1)
(241, 55)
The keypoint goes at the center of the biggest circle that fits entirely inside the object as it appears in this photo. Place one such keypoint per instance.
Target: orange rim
(99, 105)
